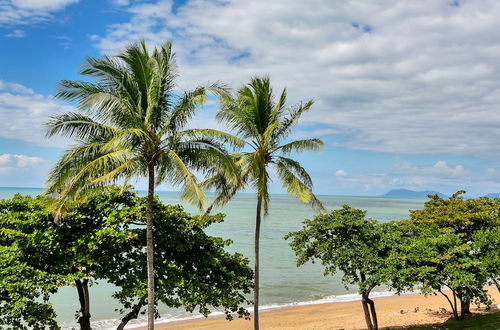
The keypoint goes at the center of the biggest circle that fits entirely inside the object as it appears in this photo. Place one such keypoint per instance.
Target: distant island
(406, 193)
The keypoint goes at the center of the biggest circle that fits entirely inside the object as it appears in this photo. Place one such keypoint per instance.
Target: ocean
(282, 283)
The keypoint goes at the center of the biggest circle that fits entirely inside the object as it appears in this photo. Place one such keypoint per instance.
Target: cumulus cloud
(23, 113)
(12, 162)
(395, 76)
(340, 173)
(18, 160)
(22, 12)
(440, 168)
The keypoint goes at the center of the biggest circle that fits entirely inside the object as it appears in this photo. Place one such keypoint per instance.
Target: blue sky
(407, 93)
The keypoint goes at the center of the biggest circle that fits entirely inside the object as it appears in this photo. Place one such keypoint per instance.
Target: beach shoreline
(417, 310)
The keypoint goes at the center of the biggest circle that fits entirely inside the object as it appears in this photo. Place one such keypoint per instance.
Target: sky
(407, 93)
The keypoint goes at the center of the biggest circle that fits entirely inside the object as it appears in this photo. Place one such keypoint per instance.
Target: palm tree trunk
(149, 244)
(256, 280)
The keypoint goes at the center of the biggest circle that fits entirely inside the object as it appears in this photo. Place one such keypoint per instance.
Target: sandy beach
(339, 315)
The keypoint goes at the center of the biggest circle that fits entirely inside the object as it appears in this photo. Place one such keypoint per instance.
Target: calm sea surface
(282, 283)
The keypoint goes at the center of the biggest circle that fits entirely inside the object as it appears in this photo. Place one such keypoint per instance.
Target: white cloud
(23, 113)
(22, 12)
(18, 160)
(340, 173)
(395, 76)
(440, 168)
(10, 163)
(16, 34)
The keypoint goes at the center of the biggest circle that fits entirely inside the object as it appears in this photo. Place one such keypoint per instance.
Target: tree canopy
(345, 240)
(103, 239)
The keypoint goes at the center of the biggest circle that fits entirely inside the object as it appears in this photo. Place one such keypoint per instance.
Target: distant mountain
(493, 195)
(405, 193)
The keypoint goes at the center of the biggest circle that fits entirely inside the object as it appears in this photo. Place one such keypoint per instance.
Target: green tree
(452, 243)
(193, 269)
(131, 124)
(344, 240)
(264, 123)
(104, 239)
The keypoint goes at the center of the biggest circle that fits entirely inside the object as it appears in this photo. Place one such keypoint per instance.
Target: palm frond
(76, 125)
(296, 187)
(191, 190)
(185, 109)
(301, 146)
(223, 137)
(291, 120)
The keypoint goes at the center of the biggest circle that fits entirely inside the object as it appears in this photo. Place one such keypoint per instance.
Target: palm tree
(131, 124)
(264, 123)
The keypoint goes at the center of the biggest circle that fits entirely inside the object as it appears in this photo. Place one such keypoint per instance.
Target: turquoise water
(282, 282)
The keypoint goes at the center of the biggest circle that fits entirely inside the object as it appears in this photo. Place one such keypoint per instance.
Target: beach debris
(442, 313)
(415, 310)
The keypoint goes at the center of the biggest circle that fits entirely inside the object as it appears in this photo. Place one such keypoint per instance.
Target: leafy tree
(25, 282)
(104, 239)
(131, 124)
(193, 269)
(74, 251)
(451, 243)
(344, 240)
(264, 123)
(20, 286)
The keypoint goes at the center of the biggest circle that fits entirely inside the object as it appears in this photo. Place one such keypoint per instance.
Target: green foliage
(192, 269)
(131, 121)
(105, 239)
(265, 124)
(343, 240)
(450, 243)
(24, 293)
(26, 281)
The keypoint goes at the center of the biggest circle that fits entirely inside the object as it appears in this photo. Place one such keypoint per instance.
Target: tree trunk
(150, 246)
(134, 313)
(82, 286)
(497, 284)
(256, 279)
(454, 310)
(464, 307)
(364, 302)
(373, 312)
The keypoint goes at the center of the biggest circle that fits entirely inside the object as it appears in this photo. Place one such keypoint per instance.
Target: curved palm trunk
(149, 245)
(256, 280)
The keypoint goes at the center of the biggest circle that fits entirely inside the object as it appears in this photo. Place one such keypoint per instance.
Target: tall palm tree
(264, 123)
(131, 124)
